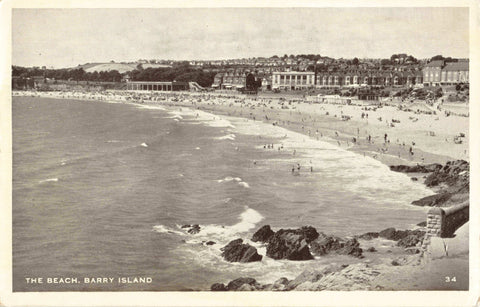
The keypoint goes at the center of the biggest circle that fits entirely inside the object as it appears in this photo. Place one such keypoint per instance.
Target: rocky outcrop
(239, 284)
(218, 287)
(328, 244)
(288, 244)
(291, 244)
(368, 236)
(264, 234)
(396, 235)
(410, 240)
(436, 200)
(416, 168)
(452, 174)
(336, 277)
(236, 251)
(453, 180)
(242, 284)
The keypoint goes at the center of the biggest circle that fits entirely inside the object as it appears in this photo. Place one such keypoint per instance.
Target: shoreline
(307, 118)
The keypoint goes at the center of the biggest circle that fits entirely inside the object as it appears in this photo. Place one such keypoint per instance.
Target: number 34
(450, 279)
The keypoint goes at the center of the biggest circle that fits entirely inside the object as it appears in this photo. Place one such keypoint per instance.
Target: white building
(293, 80)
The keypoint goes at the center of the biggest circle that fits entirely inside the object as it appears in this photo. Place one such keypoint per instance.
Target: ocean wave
(144, 145)
(165, 229)
(220, 234)
(49, 180)
(230, 136)
(206, 118)
(149, 106)
(235, 179)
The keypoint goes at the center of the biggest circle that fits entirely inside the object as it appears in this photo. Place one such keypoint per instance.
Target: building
(157, 86)
(234, 79)
(432, 72)
(437, 73)
(293, 80)
(371, 78)
(454, 73)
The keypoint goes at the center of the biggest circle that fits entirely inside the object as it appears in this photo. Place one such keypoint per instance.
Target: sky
(68, 37)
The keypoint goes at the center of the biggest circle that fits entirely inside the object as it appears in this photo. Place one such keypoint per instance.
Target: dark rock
(236, 251)
(194, 229)
(209, 243)
(449, 174)
(395, 235)
(371, 249)
(309, 233)
(416, 168)
(414, 179)
(411, 240)
(237, 283)
(436, 200)
(351, 248)
(326, 244)
(218, 287)
(369, 236)
(264, 234)
(289, 244)
(422, 224)
(186, 226)
(395, 263)
(412, 250)
(388, 233)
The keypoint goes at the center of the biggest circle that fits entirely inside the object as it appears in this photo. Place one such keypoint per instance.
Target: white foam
(236, 179)
(223, 234)
(49, 180)
(206, 118)
(364, 176)
(144, 145)
(227, 137)
(164, 229)
(148, 106)
(244, 184)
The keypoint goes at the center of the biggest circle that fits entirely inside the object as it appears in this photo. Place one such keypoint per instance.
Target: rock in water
(194, 229)
(290, 244)
(325, 244)
(369, 236)
(436, 200)
(416, 168)
(236, 251)
(264, 234)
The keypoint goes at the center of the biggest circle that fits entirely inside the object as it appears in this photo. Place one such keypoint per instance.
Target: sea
(101, 189)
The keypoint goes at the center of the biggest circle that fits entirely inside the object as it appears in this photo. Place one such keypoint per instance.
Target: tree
(411, 59)
(385, 62)
(355, 61)
(437, 58)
